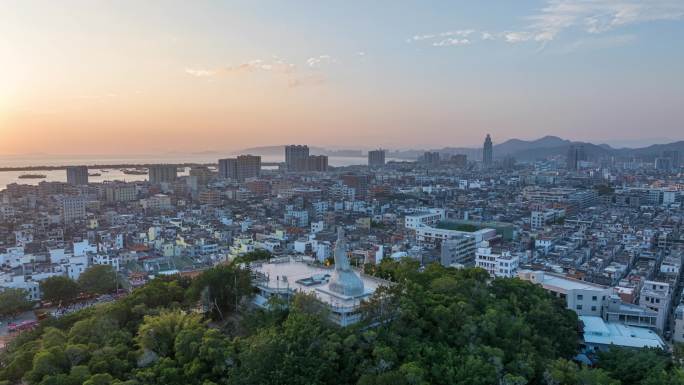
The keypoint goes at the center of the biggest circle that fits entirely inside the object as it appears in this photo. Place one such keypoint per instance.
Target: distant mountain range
(551, 146)
(522, 150)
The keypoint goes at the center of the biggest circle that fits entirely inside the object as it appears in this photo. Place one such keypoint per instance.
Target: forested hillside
(437, 326)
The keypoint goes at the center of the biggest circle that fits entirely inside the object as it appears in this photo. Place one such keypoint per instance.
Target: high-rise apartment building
(202, 173)
(162, 173)
(227, 168)
(376, 158)
(675, 158)
(77, 175)
(488, 152)
(248, 166)
(459, 160)
(240, 168)
(296, 157)
(431, 157)
(317, 163)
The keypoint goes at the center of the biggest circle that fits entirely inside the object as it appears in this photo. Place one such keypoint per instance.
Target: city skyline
(127, 78)
(312, 192)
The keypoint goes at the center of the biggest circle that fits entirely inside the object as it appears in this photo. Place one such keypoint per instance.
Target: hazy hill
(523, 150)
(550, 146)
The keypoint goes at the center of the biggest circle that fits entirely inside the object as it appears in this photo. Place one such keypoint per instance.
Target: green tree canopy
(432, 325)
(98, 279)
(59, 289)
(256, 255)
(13, 302)
(221, 289)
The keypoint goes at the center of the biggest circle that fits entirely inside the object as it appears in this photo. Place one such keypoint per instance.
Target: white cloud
(274, 65)
(517, 37)
(317, 61)
(598, 16)
(441, 35)
(487, 36)
(450, 42)
(199, 72)
(558, 16)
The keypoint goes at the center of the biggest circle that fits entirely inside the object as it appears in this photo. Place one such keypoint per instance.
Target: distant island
(32, 176)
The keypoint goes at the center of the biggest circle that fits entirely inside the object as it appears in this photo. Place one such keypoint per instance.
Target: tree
(100, 379)
(302, 351)
(634, 366)
(13, 302)
(564, 372)
(221, 289)
(256, 255)
(98, 279)
(59, 289)
(158, 333)
(433, 325)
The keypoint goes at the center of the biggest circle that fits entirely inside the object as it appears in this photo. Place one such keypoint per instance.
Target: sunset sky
(132, 77)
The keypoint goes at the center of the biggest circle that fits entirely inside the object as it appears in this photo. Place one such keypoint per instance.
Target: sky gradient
(133, 77)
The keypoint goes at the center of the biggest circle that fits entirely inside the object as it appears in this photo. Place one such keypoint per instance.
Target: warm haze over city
(132, 77)
(320, 192)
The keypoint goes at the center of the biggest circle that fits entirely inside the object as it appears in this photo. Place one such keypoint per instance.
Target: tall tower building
(77, 175)
(376, 158)
(575, 155)
(296, 157)
(487, 151)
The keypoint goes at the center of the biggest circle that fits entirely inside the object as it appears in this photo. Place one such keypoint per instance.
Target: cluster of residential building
(604, 236)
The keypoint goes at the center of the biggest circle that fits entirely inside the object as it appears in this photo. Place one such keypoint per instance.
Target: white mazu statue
(344, 280)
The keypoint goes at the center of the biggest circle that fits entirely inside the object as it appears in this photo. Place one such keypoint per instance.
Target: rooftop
(597, 331)
(561, 282)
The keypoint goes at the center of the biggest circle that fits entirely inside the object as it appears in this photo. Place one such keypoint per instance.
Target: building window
(593, 308)
(594, 298)
(579, 307)
(580, 297)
